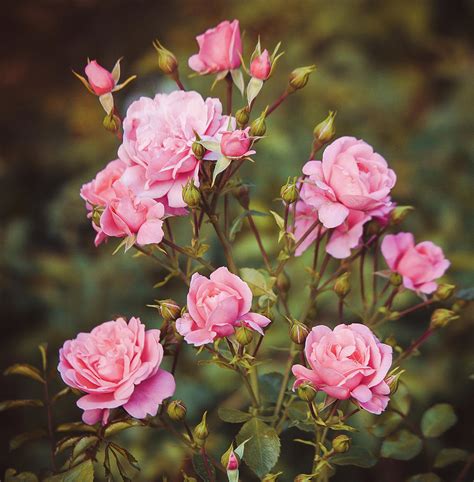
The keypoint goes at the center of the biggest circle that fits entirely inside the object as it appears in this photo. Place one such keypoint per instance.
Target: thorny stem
(206, 464)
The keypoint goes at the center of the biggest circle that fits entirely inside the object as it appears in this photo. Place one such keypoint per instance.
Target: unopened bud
(303, 478)
(341, 444)
(399, 213)
(299, 77)
(111, 122)
(298, 332)
(393, 379)
(258, 127)
(241, 193)
(243, 335)
(342, 286)
(325, 130)
(306, 392)
(169, 309)
(289, 191)
(176, 410)
(242, 117)
(271, 477)
(201, 432)
(166, 59)
(191, 195)
(458, 305)
(198, 150)
(444, 291)
(229, 459)
(441, 317)
(96, 214)
(395, 279)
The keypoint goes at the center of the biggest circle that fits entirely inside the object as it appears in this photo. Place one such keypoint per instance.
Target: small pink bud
(236, 144)
(100, 79)
(233, 463)
(261, 66)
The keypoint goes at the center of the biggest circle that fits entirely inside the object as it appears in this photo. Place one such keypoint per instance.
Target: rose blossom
(419, 265)
(216, 306)
(236, 144)
(100, 80)
(220, 49)
(158, 135)
(350, 176)
(347, 362)
(116, 365)
(305, 217)
(261, 66)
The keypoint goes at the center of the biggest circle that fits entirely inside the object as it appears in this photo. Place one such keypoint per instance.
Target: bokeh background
(399, 73)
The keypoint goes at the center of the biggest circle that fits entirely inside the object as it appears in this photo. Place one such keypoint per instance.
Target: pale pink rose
(99, 191)
(216, 306)
(236, 144)
(261, 66)
(220, 49)
(419, 265)
(347, 362)
(130, 215)
(305, 217)
(100, 79)
(159, 133)
(350, 176)
(116, 365)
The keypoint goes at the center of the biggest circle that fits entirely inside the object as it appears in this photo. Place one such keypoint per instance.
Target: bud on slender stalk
(298, 332)
(241, 193)
(341, 444)
(191, 195)
(242, 117)
(395, 279)
(169, 309)
(271, 477)
(306, 392)
(325, 130)
(198, 150)
(299, 77)
(289, 191)
(394, 315)
(441, 317)
(342, 286)
(399, 213)
(444, 291)
(393, 379)
(303, 478)
(166, 59)
(258, 127)
(201, 432)
(243, 335)
(176, 410)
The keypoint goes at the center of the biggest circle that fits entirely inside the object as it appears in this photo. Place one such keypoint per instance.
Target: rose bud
(261, 66)
(201, 432)
(169, 309)
(191, 195)
(242, 117)
(298, 332)
(303, 478)
(100, 79)
(306, 392)
(393, 379)
(341, 444)
(289, 191)
(176, 410)
(325, 130)
(271, 477)
(258, 127)
(444, 291)
(166, 59)
(236, 144)
(342, 286)
(399, 213)
(395, 279)
(299, 77)
(441, 317)
(241, 193)
(243, 335)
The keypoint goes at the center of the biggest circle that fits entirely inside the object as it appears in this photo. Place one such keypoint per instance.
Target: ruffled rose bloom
(220, 49)
(347, 362)
(236, 144)
(305, 217)
(261, 66)
(350, 176)
(419, 265)
(116, 365)
(100, 80)
(216, 306)
(158, 135)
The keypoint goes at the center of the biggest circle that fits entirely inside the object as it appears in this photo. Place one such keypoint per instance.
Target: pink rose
(158, 135)
(100, 80)
(305, 217)
(217, 305)
(350, 176)
(261, 66)
(347, 362)
(419, 265)
(220, 49)
(236, 144)
(116, 365)
(99, 191)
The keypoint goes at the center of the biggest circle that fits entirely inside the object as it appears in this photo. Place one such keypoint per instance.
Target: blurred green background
(398, 73)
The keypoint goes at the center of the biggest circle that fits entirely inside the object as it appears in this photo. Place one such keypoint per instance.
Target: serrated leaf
(437, 419)
(75, 427)
(25, 370)
(9, 404)
(238, 79)
(427, 477)
(270, 384)
(402, 445)
(258, 282)
(358, 456)
(204, 469)
(221, 165)
(386, 424)
(66, 443)
(263, 449)
(84, 472)
(299, 416)
(22, 438)
(231, 415)
(120, 425)
(11, 475)
(447, 457)
(83, 444)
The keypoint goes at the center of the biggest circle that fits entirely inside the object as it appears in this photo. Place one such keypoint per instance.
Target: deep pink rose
(159, 133)
(116, 365)
(100, 79)
(347, 362)
(99, 191)
(261, 66)
(419, 265)
(217, 305)
(350, 176)
(236, 144)
(220, 49)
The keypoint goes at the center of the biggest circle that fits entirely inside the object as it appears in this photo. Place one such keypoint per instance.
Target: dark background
(399, 74)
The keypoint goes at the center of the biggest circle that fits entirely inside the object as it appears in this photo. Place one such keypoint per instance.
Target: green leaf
(299, 416)
(402, 445)
(22, 438)
(447, 457)
(8, 404)
(253, 89)
(231, 415)
(402, 399)
(12, 476)
(263, 448)
(83, 444)
(427, 477)
(43, 348)
(25, 370)
(66, 443)
(83, 472)
(279, 220)
(270, 384)
(437, 419)
(204, 468)
(119, 425)
(221, 165)
(238, 79)
(75, 427)
(259, 282)
(386, 424)
(359, 456)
